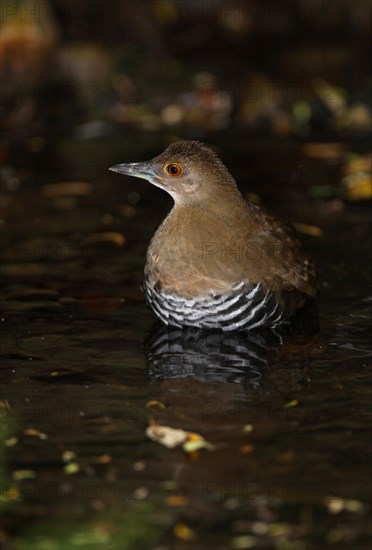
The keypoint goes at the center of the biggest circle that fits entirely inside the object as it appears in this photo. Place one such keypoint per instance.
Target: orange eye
(173, 169)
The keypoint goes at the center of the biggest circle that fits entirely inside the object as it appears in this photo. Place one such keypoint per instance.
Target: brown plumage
(218, 260)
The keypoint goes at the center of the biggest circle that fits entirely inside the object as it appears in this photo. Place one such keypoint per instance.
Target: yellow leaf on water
(359, 188)
(196, 445)
(12, 493)
(326, 151)
(307, 229)
(183, 532)
(177, 500)
(108, 236)
(335, 505)
(291, 404)
(68, 456)
(19, 475)
(358, 178)
(243, 542)
(352, 505)
(247, 428)
(155, 404)
(172, 437)
(11, 442)
(71, 468)
(33, 432)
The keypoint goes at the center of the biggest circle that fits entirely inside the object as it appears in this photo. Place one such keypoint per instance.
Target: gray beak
(142, 170)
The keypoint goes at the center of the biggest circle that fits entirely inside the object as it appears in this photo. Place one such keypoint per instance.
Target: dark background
(126, 76)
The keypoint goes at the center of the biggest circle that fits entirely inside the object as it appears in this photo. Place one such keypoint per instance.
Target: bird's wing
(284, 263)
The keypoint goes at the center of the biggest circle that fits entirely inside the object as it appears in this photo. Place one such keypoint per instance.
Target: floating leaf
(139, 466)
(335, 505)
(307, 229)
(68, 456)
(196, 445)
(177, 500)
(291, 404)
(352, 505)
(279, 529)
(141, 493)
(19, 475)
(183, 532)
(11, 442)
(325, 151)
(106, 237)
(333, 96)
(33, 432)
(169, 437)
(247, 428)
(172, 437)
(169, 485)
(12, 493)
(155, 404)
(358, 179)
(359, 188)
(71, 468)
(244, 541)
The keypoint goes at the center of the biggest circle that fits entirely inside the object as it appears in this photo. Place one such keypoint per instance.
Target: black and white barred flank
(240, 309)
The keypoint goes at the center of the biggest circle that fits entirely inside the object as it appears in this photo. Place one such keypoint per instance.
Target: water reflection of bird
(208, 356)
(218, 261)
(216, 356)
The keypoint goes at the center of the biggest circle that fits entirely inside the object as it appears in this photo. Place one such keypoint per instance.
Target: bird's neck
(223, 198)
(225, 205)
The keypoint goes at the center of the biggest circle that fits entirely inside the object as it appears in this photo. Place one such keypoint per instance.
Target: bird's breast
(194, 255)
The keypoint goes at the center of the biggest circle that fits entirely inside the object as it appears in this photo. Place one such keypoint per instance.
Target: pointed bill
(142, 170)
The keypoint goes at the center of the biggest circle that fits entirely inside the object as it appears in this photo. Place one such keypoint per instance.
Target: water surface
(289, 415)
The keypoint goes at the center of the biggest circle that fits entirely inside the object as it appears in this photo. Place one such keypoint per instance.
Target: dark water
(289, 415)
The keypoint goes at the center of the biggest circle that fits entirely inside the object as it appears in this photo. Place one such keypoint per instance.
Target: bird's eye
(173, 169)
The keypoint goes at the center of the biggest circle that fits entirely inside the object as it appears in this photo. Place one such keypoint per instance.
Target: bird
(218, 261)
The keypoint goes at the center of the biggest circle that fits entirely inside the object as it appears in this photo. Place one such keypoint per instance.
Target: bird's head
(188, 170)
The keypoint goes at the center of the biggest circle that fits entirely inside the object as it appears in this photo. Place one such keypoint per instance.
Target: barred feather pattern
(241, 309)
